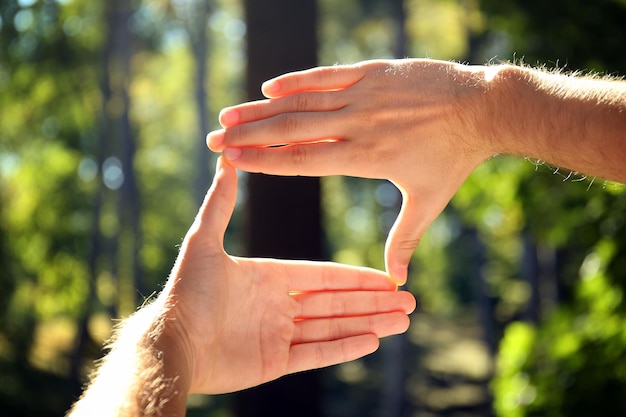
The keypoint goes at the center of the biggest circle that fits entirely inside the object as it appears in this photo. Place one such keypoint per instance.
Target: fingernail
(215, 139)
(270, 87)
(231, 153)
(228, 117)
(399, 274)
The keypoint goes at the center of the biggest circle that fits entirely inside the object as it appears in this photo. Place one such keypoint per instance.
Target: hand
(242, 322)
(414, 122)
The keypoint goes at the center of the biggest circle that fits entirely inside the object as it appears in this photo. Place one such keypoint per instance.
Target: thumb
(404, 237)
(217, 208)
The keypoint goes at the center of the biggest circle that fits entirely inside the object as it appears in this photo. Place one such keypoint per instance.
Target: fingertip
(215, 139)
(270, 88)
(223, 167)
(229, 117)
(403, 324)
(398, 273)
(412, 305)
(222, 193)
(374, 343)
(408, 323)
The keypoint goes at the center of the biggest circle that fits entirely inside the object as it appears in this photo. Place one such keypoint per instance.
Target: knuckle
(288, 125)
(300, 102)
(298, 154)
(233, 135)
(259, 110)
(408, 244)
(313, 101)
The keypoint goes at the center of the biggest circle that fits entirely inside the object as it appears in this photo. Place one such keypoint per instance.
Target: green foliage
(350, 34)
(573, 364)
(353, 30)
(567, 364)
(63, 248)
(511, 387)
(442, 29)
(48, 243)
(475, 256)
(570, 363)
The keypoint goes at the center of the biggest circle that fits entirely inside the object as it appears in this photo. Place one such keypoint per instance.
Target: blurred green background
(103, 110)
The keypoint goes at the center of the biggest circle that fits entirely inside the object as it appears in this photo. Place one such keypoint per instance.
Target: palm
(262, 318)
(253, 329)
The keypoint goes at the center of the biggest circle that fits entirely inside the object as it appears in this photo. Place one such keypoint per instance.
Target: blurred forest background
(104, 106)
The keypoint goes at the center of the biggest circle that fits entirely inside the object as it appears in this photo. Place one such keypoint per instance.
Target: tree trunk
(398, 14)
(283, 213)
(196, 17)
(119, 13)
(394, 350)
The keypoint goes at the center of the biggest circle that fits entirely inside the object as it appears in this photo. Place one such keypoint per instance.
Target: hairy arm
(574, 122)
(144, 373)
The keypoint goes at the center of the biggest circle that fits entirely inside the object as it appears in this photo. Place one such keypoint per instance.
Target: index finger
(316, 79)
(304, 276)
(217, 208)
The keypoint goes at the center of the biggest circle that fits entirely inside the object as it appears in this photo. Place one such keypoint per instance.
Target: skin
(424, 125)
(225, 323)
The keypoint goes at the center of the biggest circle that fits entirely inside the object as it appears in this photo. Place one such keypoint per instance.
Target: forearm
(144, 374)
(578, 123)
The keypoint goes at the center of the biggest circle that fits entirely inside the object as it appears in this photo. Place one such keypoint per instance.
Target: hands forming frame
(424, 125)
(224, 323)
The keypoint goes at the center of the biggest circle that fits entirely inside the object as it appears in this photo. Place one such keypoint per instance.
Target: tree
(283, 213)
(195, 15)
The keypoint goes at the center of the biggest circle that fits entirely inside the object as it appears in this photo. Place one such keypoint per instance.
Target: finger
(320, 78)
(307, 356)
(405, 235)
(294, 103)
(329, 276)
(306, 276)
(329, 304)
(281, 129)
(315, 159)
(382, 325)
(217, 208)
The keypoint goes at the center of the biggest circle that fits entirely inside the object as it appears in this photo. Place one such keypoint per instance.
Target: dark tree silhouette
(283, 213)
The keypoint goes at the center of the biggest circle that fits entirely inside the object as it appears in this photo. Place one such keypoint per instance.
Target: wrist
(163, 376)
(166, 340)
(518, 111)
(496, 106)
(480, 93)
